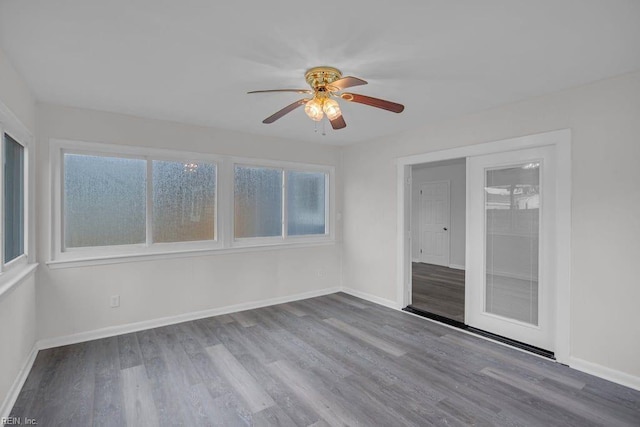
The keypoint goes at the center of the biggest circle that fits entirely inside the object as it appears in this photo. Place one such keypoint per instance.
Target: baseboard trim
(609, 374)
(171, 320)
(18, 383)
(457, 266)
(371, 298)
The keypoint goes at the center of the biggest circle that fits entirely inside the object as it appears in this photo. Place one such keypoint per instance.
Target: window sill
(124, 258)
(10, 280)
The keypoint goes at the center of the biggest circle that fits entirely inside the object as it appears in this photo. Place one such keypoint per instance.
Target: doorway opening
(438, 209)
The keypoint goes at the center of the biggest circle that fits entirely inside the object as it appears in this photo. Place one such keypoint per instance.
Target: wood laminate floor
(332, 360)
(438, 290)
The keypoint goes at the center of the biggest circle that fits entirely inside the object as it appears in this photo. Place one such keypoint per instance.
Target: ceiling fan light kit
(325, 82)
(313, 108)
(331, 108)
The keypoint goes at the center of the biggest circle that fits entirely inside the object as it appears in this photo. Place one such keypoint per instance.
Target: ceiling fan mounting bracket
(320, 77)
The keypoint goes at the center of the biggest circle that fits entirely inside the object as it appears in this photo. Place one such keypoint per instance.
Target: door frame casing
(561, 141)
(421, 213)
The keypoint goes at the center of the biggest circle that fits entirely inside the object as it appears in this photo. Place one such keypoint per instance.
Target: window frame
(225, 241)
(245, 241)
(328, 203)
(87, 249)
(60, 253)
(211, 243)
(11, 126)
(284, 238)
(23, 139)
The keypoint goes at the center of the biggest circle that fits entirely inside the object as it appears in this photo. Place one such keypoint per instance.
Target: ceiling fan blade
(374, 102)
(338, 123)
(289, 108)
(282, 90)
(346, 82)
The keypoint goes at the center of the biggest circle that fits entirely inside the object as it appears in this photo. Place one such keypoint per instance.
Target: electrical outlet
(115, 301)
(321, 272)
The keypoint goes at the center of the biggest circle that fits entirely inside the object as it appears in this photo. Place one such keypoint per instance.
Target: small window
(257, 202)
(306, 206)
(108, 201)
(264, 202)
(184, 201)
(104, 201)
(13, 199)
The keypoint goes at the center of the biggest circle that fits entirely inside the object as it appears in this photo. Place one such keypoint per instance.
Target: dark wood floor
(332, 360)
(438, 290)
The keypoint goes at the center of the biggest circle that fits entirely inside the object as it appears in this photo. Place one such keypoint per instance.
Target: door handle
(445, 228)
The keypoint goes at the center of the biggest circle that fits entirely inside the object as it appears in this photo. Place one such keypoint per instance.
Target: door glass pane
(104, 200)
(13, 199)
(305, 203)
(512, 212)
(184, 201)
(257, 202)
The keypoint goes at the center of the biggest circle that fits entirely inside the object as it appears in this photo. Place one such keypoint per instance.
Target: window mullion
(57, 213)
(149, 212)
(327, 204)
(226, 207)
(285, 214)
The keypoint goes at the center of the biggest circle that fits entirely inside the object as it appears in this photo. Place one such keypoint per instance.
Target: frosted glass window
(184, 201)
(104, 201)
(305, 203)
(512, 208)
(257, 202)
(13, 199)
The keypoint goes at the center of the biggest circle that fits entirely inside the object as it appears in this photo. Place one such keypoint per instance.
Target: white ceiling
(193, 61)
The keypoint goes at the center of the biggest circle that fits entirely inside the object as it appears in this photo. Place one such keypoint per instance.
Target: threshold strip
(518, 344)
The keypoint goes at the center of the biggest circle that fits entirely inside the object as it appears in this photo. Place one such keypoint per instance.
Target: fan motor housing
(320, 77)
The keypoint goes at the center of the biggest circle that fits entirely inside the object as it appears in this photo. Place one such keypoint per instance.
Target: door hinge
(420, 250)
(420, 191)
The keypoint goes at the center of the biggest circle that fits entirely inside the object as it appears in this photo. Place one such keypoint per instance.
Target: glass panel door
(512, 215)
(510, 245)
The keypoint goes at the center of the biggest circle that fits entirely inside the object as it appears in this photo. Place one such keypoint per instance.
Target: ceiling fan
(327, 83)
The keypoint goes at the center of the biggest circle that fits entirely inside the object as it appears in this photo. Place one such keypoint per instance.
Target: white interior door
(434, 223)
(510, 289)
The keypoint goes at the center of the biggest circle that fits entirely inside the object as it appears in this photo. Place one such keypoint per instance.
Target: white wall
(15, 94)
(17, 305)
(76, 300)
(454, 172)
(17, 332)
(604, 119)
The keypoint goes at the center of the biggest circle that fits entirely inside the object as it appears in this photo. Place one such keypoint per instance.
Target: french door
(511, 215)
